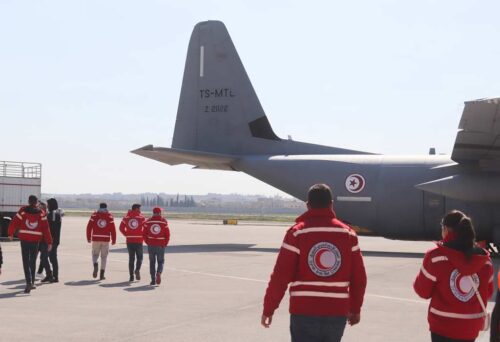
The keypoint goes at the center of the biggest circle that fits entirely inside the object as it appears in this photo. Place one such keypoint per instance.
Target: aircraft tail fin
(219, 111)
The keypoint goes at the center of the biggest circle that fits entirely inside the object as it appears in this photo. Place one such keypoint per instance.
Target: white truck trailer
(18, 180)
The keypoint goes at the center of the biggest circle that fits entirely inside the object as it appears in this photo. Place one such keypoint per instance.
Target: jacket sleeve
(90, 225)
(145, 232)
(112, 229)
(357, 286)
(426, 279)
(488, 275)
(283, 273)
(14, 224)
(122, 227)
(45, 230)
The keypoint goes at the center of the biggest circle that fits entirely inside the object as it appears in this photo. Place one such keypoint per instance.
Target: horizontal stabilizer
(201, 160)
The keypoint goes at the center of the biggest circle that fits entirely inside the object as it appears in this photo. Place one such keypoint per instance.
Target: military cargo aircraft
(221, 125)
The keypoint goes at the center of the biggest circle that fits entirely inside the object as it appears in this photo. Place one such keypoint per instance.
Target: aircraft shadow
(82, 282)
(207, 248)
(140, 288)
(112, 285)
(385, 254)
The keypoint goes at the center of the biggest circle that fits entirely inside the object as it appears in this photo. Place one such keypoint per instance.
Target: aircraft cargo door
(433, 211)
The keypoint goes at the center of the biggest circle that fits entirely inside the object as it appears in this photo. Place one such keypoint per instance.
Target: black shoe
(33, 287)
(27, 289)
(96, 268)
(47, 279)
(102, 275)
(55, 280)
(40, 270)
(138, 274)
(152, 282)
(131, 278)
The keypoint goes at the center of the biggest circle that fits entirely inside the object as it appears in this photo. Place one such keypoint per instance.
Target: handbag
(487, 315)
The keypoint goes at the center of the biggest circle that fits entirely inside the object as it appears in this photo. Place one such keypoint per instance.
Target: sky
(82, 83)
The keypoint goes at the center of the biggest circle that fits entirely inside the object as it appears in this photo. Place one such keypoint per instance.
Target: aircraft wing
(478, 138)
(201, 160)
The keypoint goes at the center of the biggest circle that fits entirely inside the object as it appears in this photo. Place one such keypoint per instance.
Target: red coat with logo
(31, 224)
(101, 227)
(445, 277)
(156, 231)
(132, 226)
(321, 260)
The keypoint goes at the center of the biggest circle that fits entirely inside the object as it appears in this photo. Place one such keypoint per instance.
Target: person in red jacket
(131, 227)
(100, 230)
(31, 225)
(450, 275)
(156, 236)
(321, 260)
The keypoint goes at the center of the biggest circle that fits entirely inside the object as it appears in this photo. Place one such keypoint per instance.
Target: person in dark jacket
(54, 215)
(495, 316)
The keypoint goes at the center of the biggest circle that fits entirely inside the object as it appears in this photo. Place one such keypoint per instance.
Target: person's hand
(88, 241)
(353, 318)
(49, 248)
(266, 321)
(113, 243)
(11, 237)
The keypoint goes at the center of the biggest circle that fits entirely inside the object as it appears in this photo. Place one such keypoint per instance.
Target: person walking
(1, 259)
(100, 230)
(31, 225)
(321, 260)
(156, 236)
(132, 228)
(54, 219)
(457, 277)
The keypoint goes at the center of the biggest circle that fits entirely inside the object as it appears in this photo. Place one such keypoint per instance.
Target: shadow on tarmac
(207, 248)
(121, 284)
(140, 288)
(13, 294)
(384, 254)
(13, 282)
(82, 282)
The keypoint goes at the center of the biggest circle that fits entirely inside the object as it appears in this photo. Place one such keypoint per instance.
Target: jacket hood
(102, 214)
(133, 213)
(459, 260)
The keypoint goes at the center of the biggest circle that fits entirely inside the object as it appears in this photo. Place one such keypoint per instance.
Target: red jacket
(132, 226)
(32, 225)
(156, 231)
(454, 310)
(101, 227)
(320, 257)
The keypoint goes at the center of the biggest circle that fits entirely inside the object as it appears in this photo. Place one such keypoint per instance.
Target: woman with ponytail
(450, 275)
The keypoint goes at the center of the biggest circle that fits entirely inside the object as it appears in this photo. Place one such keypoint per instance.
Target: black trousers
(44, 258)
(439, 338)
(134, 249)
(29, 250)
(53, 260)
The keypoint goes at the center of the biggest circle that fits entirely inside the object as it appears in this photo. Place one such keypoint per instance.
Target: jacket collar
(316, 212)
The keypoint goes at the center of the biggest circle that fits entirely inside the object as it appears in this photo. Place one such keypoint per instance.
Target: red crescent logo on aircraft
(355, 183)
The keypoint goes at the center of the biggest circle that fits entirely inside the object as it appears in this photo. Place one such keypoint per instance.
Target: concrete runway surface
(212, 290)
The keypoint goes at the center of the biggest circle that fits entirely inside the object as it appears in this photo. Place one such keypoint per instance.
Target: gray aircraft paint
(221, 125)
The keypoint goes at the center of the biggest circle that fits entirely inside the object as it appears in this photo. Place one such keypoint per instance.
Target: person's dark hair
(136, 206)
(103, 205)
(52, 204)
(32, 200)
(462, 227)
(319, 196)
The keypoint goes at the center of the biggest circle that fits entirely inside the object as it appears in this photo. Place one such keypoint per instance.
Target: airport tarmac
(212, 290)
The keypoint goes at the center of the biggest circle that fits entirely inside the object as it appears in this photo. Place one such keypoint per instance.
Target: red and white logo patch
(355, 183)
(101, 223)
(155, 229)
(324, 259)
(31, 224)
(461, 285)
(133, 224)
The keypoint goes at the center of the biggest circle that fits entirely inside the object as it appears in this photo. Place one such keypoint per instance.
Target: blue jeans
(317, 328)
(156, 253)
